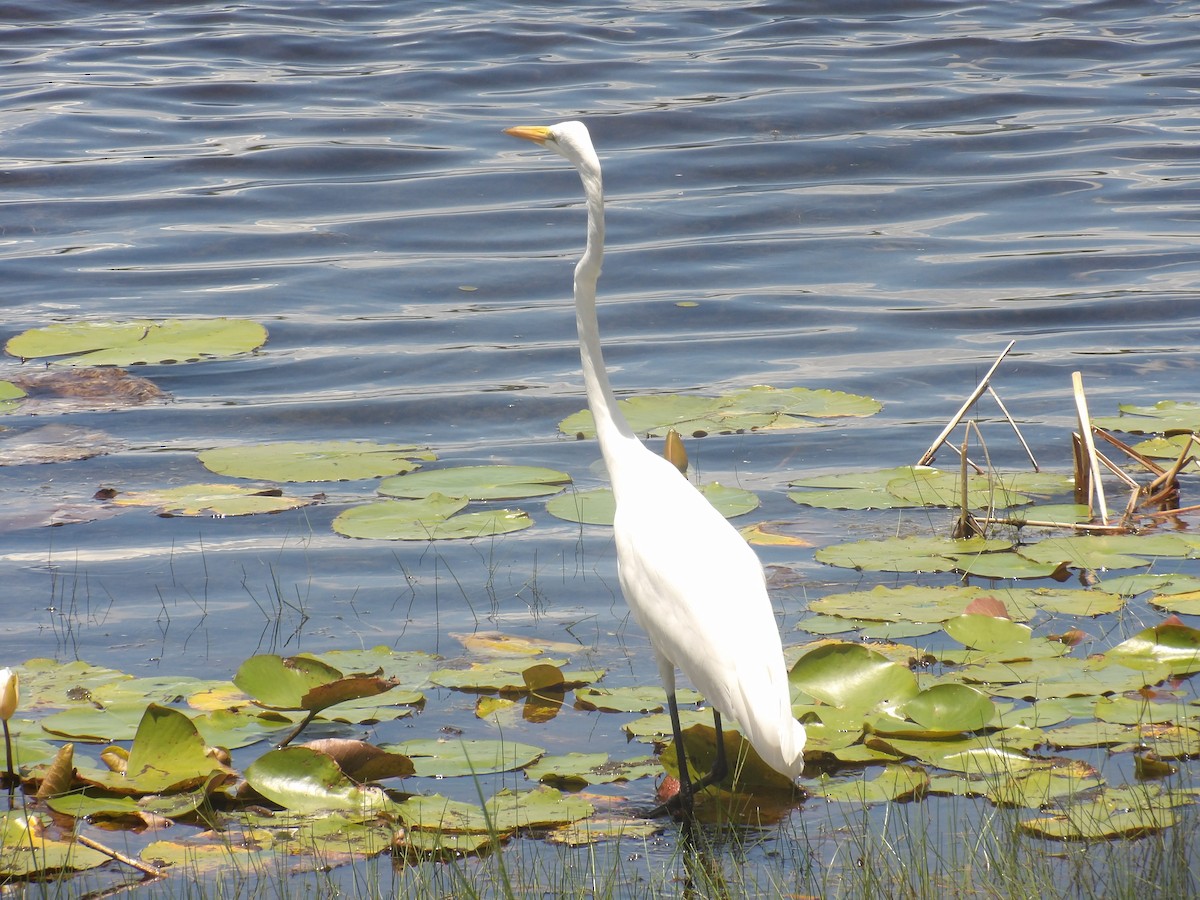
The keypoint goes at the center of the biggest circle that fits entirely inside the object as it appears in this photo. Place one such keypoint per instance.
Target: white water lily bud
(9, 694)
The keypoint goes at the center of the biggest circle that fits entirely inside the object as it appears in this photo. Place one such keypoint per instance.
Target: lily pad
(854, 490)
(303, 682)
(212, 500)
(477, 483)
(1121, 551)
(27, 850)
(646, 699)
(305, 780)
(314, 460)
(440, 758)
(911, 554)
(895, 783)
(1173, 644)
(1038, 788)
(851, 676)
(10, 397)
(431, 519)
(579, 769)
(1164, 417)
(1115, 813)
(930, 487)
(949, 708)
(138, 342)
(754, 409)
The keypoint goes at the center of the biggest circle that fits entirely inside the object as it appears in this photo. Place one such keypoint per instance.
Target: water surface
(863, 199)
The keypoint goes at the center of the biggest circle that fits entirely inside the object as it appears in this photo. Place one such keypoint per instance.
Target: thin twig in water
(927, 457)
(1150, 464)
(1039, 523)
(1012, 423)
(120, 857)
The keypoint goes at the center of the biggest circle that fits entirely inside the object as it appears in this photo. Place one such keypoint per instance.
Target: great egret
(690, 579)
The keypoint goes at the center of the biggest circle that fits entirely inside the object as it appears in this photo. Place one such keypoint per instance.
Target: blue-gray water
(865, 197)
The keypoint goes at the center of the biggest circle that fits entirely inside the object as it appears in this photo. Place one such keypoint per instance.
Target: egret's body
(692, 582)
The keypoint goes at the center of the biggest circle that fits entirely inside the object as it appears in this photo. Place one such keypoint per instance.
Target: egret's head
(569, 139)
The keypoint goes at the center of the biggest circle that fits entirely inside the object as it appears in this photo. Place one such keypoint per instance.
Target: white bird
(691, 581)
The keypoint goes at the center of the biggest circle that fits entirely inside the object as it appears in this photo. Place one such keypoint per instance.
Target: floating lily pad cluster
(993, 719)
(760, 408)
(990, 716)
(918, 486)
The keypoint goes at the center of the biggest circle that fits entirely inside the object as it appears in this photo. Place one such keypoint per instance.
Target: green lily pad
(949, 708)
(1162, 584)
(754, 409)
(912, 554)
(431, 519)
(854, 490)
(1184, 604)
(477, 483)
(645, 699)
(441, 845)
(1005, 565)
(503, 813)
(138, 342)
(579, 769)
(1120, 551)
(409, 668)
(1039, 679)
(1139, 710)
(1164, 417)
(96, 723)
(1114, 813)
(10, 397)
(435, 813)
(168, 754)
(851, 676)
(1169, 448)
(303, 682)
(438, 758)
(895, 783)
(1173, 644)
(305, 780)
(930, 487)
(314, 460)
(593, 507)
(212, 500)
(234, 729)
(987, 633)
(1038, 788)
(28, 850)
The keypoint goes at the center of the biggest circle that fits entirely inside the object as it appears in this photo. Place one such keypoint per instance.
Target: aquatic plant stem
(120, 857)
(12, 776)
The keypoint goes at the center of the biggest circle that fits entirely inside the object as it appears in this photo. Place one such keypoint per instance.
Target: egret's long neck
(612, 429)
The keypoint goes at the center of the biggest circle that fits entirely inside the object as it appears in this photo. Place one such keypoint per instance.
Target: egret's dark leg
(685, 799)
(720, 766)
(681, 802)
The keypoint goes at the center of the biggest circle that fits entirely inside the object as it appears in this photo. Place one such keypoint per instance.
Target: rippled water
(861, 198)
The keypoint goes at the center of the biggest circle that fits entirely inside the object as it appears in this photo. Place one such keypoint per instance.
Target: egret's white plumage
(692, 582)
